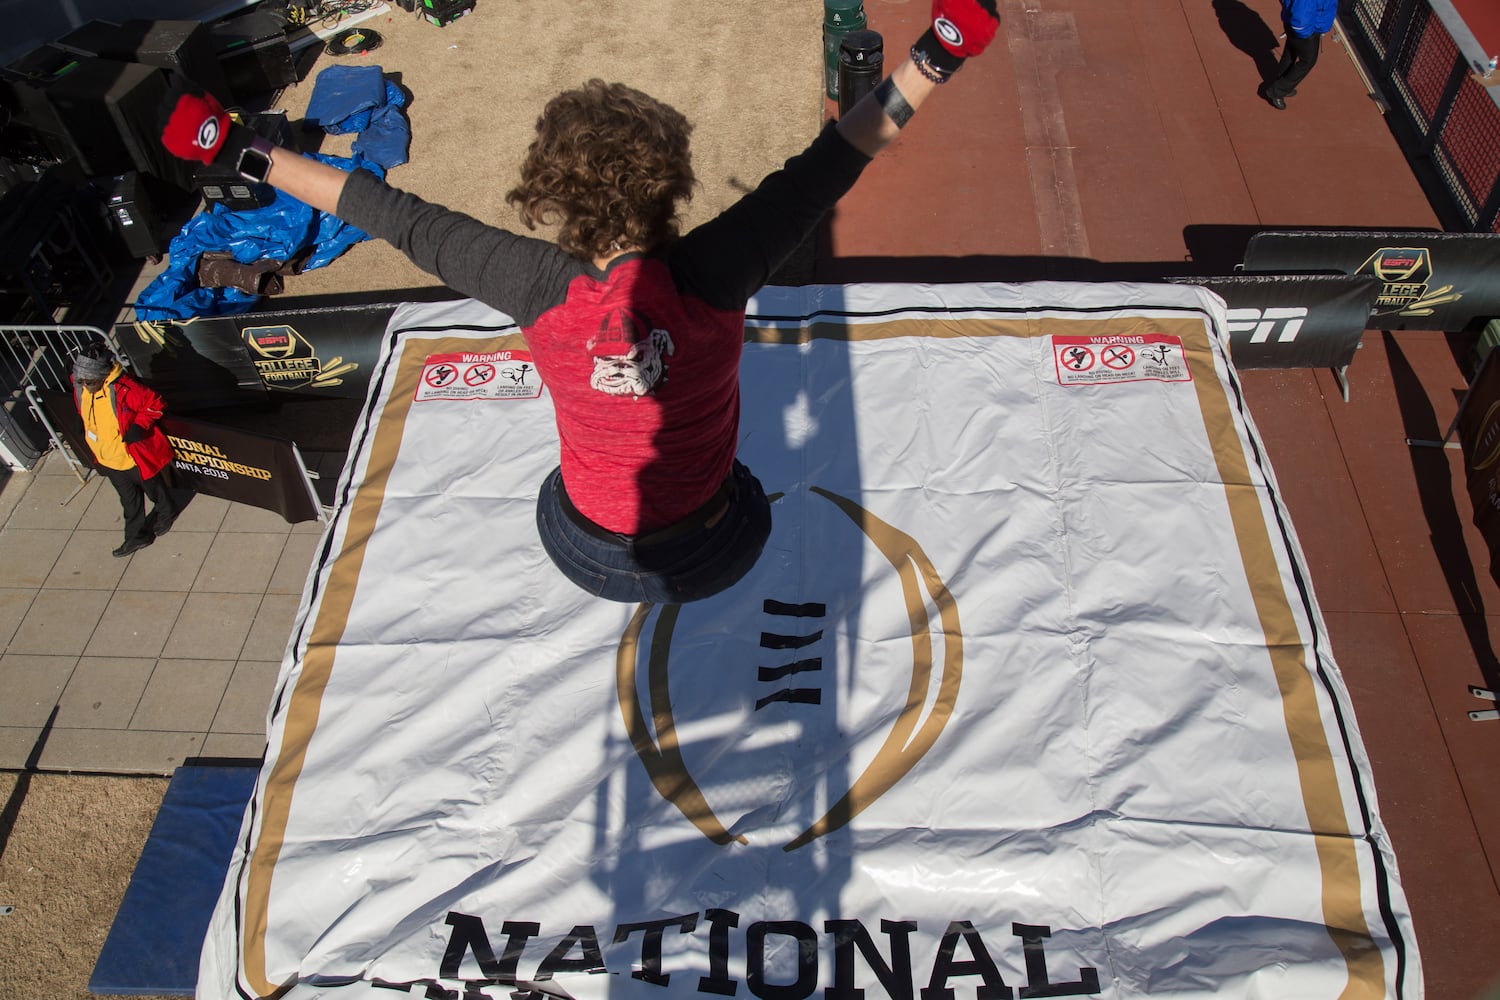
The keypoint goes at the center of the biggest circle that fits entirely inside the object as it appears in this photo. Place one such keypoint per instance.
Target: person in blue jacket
(1306, 22)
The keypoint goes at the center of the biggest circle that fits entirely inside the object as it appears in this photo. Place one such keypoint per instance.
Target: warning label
(502, 375)
(1150, 357)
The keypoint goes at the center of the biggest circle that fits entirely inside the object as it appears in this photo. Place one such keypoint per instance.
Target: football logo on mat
(712, 779)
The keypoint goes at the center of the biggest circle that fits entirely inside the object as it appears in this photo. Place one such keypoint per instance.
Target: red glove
(960, 28)
(196, 125)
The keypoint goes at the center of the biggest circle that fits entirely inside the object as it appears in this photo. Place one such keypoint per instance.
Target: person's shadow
(1249, 33)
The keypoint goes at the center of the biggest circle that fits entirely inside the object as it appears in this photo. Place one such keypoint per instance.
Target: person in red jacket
(119, 421)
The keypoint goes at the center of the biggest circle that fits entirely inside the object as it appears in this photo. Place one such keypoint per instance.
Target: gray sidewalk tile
(136, 623)
(240, 563)
(171, 562)
(27, 555)
(183, 695)
(104, 512)
(16, 744)
(42, 504)
(247, 699)
(12, 486)
(14, 603)
(32, 686)
(212, 627)
(103, 692)
(202, 513)
(123, 751)
(86, 562)
(272, 628)
(309, 527)
(59, 622)
(290, 576)
(229, 746)
(54, 463)
(242, 517)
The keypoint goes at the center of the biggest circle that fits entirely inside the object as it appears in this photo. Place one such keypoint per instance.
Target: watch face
(254, 165)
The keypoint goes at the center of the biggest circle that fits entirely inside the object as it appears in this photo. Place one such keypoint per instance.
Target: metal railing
(36, 358)
(1438, 82)
(43, 355)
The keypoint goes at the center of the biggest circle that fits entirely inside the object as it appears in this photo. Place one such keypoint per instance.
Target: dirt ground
(66, 864)
(748, 76)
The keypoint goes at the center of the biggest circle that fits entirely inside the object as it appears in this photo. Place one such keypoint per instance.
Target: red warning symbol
(440, 375)
(1117, 357)
(479, 374)
(1077, 358)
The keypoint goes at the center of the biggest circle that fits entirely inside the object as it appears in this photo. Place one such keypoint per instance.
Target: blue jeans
(685, 568)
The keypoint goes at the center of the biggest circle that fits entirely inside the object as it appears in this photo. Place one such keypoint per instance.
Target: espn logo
(1259, 323)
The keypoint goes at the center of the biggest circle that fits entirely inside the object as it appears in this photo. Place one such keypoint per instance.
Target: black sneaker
(133, 545)
(161, 525)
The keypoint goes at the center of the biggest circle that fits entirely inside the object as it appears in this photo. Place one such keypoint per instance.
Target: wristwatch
(255, 160)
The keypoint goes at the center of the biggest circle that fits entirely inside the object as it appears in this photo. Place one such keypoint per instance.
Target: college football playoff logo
(286, 360)
(1406, 273)
(922, 694)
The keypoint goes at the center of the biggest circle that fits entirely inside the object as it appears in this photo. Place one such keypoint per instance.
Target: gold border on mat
(331, 618)
(1288, 650)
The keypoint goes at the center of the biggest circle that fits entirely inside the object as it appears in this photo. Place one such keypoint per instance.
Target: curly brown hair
(609, 164)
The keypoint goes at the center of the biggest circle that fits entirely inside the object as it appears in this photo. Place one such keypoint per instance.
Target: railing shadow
(1441, 509)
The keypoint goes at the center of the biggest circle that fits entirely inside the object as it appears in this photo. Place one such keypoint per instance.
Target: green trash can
(839, 18)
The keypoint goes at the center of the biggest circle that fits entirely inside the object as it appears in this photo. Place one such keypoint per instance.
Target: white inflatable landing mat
(1027, 697)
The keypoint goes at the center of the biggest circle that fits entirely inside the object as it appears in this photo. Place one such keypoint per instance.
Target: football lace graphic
(948, 31)
(208, 132)
(934, 674)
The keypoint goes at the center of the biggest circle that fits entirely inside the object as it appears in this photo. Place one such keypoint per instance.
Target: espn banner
(1478, 427)
(1026, 696)
(1429, 281)
(1293, 320)
(219, 461)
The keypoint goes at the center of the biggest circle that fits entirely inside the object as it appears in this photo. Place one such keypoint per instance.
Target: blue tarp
(282, 230)
(157, 935)
(360, 99)
(344, 99)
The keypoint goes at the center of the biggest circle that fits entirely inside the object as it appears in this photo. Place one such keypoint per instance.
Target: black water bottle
(861, 59)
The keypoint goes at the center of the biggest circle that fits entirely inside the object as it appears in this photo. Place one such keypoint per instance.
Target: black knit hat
(93, 364)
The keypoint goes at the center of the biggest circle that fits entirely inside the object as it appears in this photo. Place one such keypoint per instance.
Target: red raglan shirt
(642, 359)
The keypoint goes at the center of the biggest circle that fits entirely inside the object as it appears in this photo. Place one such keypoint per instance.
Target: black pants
(133, 490)
(687, 568)
(1297, 60)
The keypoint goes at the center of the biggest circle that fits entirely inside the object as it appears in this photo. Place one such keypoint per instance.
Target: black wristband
(933, 60)
(893, 102)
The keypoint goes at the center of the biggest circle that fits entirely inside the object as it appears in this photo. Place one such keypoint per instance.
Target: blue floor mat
(158, 932)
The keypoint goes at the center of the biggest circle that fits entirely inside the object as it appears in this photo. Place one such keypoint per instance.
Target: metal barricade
(36, 358)
(1445, 98)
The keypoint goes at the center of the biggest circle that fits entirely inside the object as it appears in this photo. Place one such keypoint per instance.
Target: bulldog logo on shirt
(641, 367)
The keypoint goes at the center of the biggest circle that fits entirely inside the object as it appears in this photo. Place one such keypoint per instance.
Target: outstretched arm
(727, 259)
(960, 28)
(198, 128)
(311, 181)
